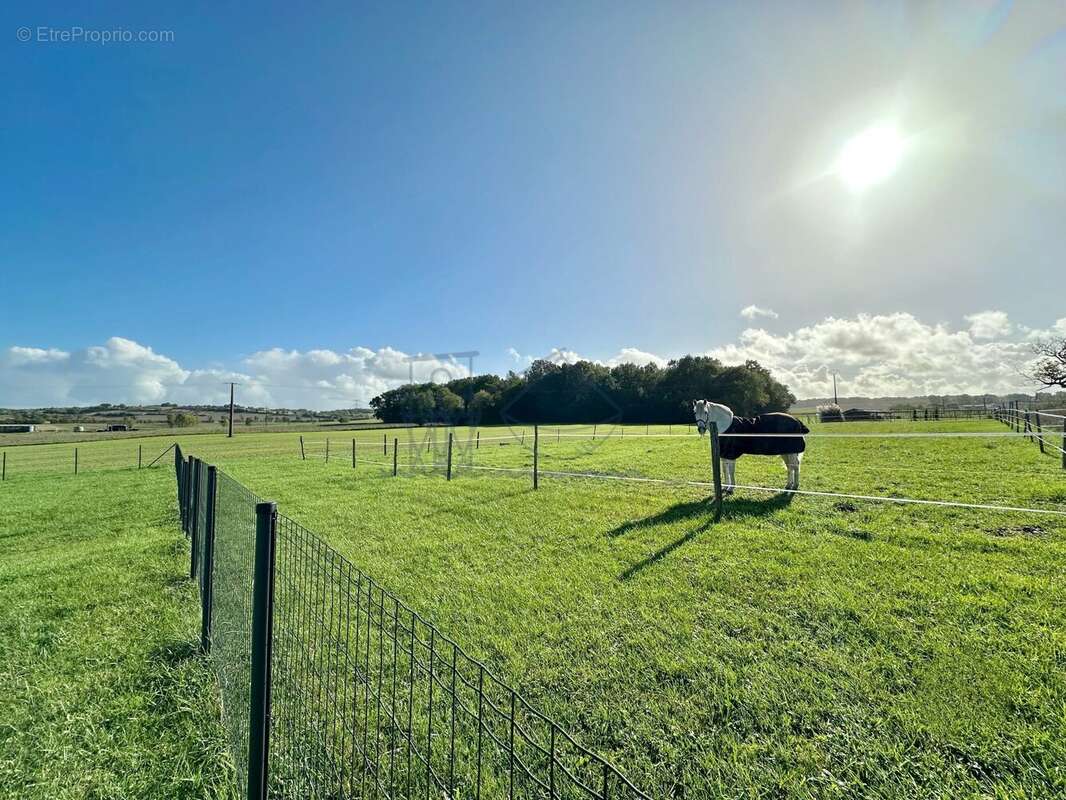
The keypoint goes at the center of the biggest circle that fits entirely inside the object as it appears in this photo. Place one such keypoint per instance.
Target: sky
(298, 199)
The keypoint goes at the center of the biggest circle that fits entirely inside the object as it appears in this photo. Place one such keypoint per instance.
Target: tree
(1050, 369)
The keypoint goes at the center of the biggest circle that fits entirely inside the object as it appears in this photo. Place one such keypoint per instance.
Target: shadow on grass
(174, 653)
(735, 508)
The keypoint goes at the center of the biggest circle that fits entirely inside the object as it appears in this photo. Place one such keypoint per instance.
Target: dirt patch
(846, 507)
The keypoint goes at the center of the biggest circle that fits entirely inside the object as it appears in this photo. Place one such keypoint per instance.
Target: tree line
(585, 392)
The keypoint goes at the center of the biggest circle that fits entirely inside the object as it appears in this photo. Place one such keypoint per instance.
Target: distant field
(800, 647)
(50, 434)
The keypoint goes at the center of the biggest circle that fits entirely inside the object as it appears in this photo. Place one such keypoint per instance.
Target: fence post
(384, 444)
(139, 448)
(327, 449)
(1039, 431)
(536, 457)
(395, 456)
(3, 475)
(303, 455)
(449, 455)
(75, 461)
(716, 471)
(266, 515)
(1028, 428)
(207, 569)
(353, 453)
(477, 441)
(194, 528)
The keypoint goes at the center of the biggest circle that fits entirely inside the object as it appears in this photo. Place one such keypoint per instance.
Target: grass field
(802, 647)
(102, 693)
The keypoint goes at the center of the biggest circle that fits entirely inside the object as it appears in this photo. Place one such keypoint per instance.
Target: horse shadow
(703, 510)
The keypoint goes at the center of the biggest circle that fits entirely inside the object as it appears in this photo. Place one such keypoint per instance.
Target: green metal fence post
(266, 516)
(194, 528)
(207, 569)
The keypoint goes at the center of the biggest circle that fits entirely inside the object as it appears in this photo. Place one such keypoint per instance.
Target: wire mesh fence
(352, 693)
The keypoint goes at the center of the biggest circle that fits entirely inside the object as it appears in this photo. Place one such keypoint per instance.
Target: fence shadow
(699, 509)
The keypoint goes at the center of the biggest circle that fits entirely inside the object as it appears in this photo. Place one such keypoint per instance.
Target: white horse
(744, 439)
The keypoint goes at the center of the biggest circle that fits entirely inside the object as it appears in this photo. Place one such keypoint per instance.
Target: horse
(740, 437)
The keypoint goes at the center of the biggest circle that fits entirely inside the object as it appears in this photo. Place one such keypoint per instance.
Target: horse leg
(730, 467)
(792, 464)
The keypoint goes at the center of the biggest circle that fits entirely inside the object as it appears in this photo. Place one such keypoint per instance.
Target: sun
(870, 157)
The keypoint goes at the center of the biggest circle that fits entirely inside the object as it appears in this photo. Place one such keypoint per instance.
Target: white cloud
(885, 355)
(631, 355)
(989, 324)
(753, 311)
(875, 355)
(124, 371)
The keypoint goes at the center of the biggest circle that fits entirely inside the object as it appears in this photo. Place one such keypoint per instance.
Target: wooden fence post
(353, 453)
(327, 449)
(477, 441)
(3, 474)
(384, 444)
(395, 456)
(716, 471)
(1063, 444)
(449, 455)
(139, 448)
(1039, 432)
(75, 461)
(303, 455)
(536, 454)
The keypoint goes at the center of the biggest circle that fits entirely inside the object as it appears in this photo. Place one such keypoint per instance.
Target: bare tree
(1050, 368)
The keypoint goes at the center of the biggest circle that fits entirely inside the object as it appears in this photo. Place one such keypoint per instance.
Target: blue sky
(514, 178)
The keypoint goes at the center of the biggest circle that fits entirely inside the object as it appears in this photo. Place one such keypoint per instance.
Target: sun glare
(870, 157)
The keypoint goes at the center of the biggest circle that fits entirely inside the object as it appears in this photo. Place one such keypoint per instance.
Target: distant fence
(333, 687)
(21, 460)
(1047, 430)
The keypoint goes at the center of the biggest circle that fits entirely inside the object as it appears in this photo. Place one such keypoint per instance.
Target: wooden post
(395, 457)
(303, 455)
(1039, 432)
(3, 473)
(449, 455)
(593, 433)
(139, 447)
(536, 454)
(477, 441)
(353, 453)
(1027, 427)
(384, 444)
(1063, 445)
(327, 449)
(75, 461)
(716, 471)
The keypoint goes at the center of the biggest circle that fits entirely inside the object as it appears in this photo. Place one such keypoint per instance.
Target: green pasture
(801, 647)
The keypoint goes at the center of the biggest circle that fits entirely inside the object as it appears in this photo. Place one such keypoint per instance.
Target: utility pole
(835, 401)
(231, 410)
